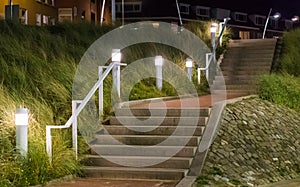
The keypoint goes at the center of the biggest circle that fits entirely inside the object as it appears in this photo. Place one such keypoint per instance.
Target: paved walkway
(89, 182)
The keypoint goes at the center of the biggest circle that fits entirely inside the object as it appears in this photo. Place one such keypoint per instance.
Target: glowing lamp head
(189, 63)
(213, 27)
(295, 18)
(21, 116)
(116, 55)
(159, 61)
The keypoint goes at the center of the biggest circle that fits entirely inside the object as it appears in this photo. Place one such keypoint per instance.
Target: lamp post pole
(267, 21)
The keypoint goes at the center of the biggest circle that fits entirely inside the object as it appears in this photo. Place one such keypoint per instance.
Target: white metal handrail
(76, 111)
(212, 56)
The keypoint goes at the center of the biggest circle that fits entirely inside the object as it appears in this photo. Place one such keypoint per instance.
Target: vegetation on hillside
(282, 86)
(37, 66)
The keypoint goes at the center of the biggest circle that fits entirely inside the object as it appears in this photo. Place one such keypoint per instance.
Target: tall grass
(282, 87)
(290, 59)
(37, 67)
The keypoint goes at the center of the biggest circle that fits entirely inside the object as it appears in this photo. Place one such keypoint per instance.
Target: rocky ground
(258, 143)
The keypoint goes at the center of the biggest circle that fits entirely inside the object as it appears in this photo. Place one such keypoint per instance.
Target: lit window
(184, 8)
(129, 7)
(45, 20)
(202, 11)
(65, 14)
(38, 19)
(242, 17)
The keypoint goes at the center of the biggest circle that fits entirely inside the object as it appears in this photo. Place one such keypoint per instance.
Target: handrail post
(49, 143)
(199, 75)
(100, 94)
(74, 127)
(116, 78)
(208, 58)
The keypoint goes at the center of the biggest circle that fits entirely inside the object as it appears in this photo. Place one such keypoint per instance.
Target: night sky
(288, 8)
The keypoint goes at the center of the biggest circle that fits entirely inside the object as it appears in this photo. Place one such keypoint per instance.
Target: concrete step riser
(174, 163)
(234, 82)
(248, 56)
(113, 174)
(246, 68)
(155, 151)
(162, 130)
(145, 140)
(235, 87)
(236, 73)
(203, 112)
(162, 121)
(240, 78)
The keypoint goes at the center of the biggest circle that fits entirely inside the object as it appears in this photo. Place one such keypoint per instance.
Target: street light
(158, 65)
(275, 17)
(189, 66)
(116, 58)
(21, 121)
(295, 19)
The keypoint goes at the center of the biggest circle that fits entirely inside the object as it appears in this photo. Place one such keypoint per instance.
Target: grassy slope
(37, 66)
(282, 87)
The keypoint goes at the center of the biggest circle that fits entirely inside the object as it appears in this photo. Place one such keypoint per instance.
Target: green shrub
(281, 89)
(290, 59)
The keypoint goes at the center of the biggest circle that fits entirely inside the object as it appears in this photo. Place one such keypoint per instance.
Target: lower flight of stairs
(243, 62)
(146, 133)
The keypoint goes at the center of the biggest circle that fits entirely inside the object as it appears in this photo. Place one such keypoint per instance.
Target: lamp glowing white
(189, 66)
(158, 65)
(22, 121)
(116, 71)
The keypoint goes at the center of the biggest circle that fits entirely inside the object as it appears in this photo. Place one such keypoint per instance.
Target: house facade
(33, 12)
(46, 12)
(79, 10)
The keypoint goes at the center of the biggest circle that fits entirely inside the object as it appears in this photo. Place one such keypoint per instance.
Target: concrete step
(236, 92)
(163, 162)
(236, 87)
(170, 112)
(238, 78)
(145, 140)
(246, 68)
(230, 73)
(241, 50)
(134, 173)
(160, 130)
(249, 55)
(247, 61)
(157, 120)
(218, 82)
(152, 151)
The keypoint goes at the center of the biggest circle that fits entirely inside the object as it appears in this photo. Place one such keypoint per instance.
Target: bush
(281, 89)
(290, 59)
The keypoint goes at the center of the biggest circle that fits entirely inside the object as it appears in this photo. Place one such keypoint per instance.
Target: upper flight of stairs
(174, 168)
(243, 62)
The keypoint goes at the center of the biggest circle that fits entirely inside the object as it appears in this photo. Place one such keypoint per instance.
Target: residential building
(33, 12)
(78, 10)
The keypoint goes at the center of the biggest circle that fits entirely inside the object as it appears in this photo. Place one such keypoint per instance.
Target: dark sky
(288, 8)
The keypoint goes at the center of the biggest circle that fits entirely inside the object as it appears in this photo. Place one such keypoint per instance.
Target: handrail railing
(212, 56)
(76, 111)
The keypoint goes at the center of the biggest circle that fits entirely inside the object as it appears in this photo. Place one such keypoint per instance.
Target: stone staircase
(243, 62)
(148, 135)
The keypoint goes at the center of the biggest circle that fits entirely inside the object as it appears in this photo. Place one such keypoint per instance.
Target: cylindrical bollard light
(158, 65)
(21, 121)
(189, 66)
(213, 30)
(116, 71)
